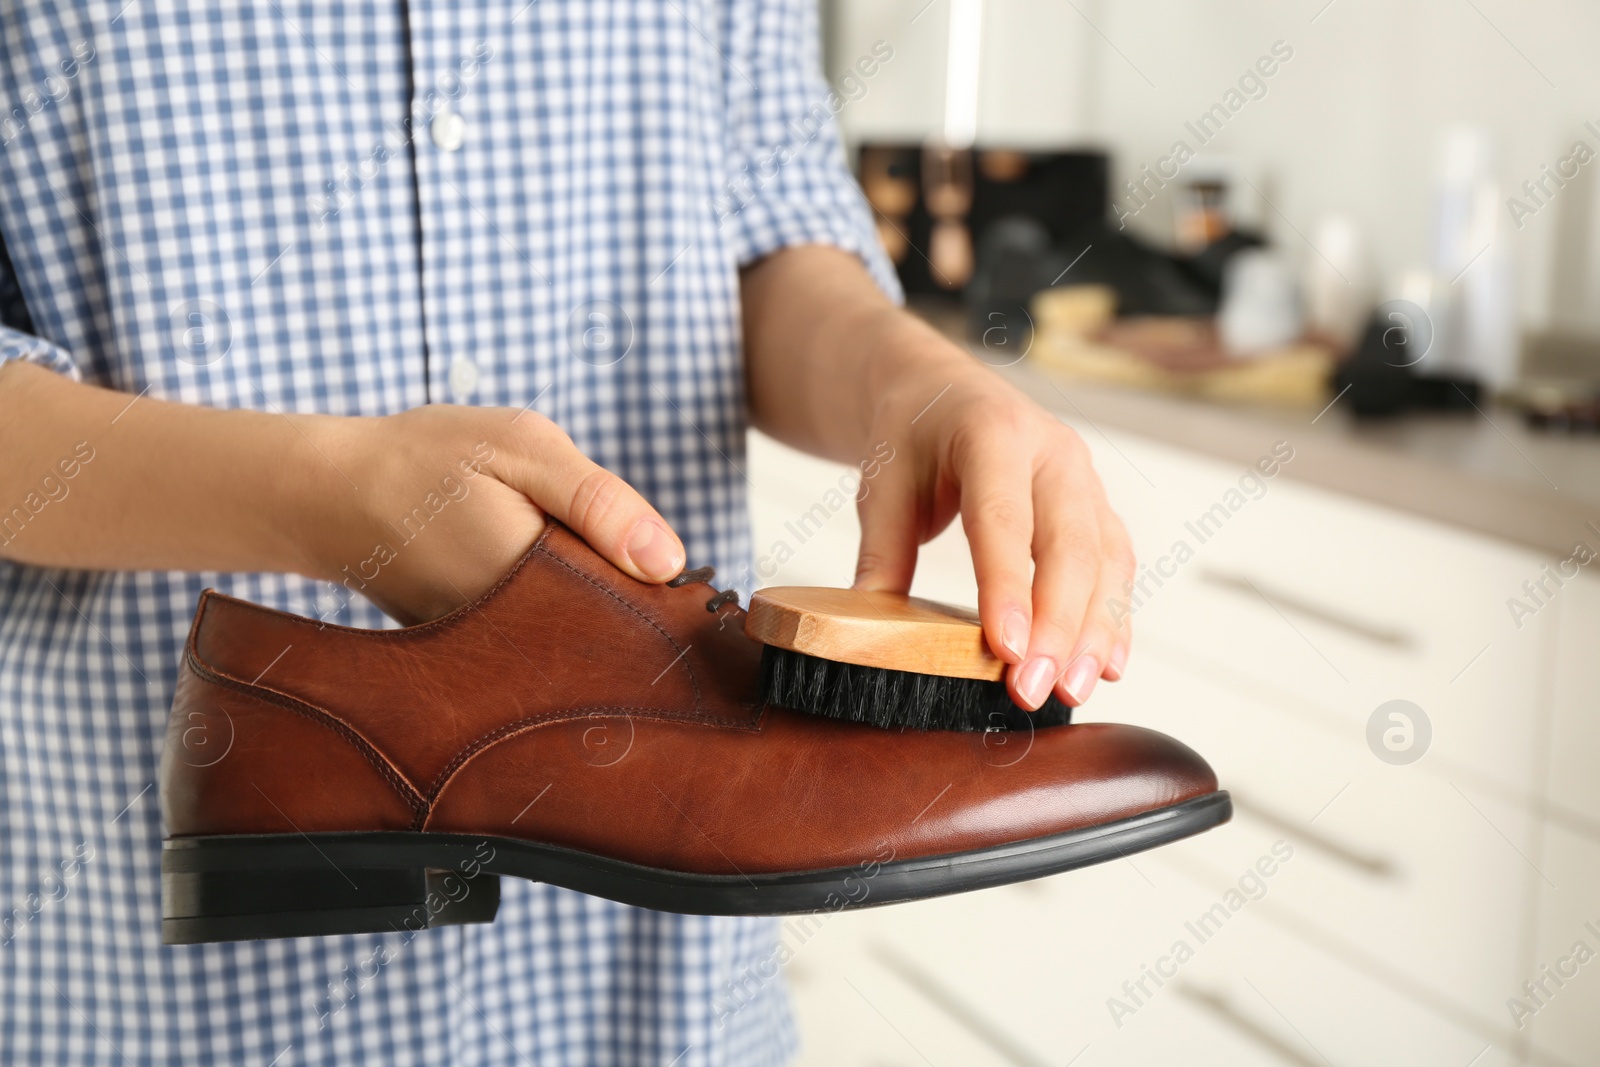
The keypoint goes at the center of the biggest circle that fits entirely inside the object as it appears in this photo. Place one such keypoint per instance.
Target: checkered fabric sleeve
(19, 343)
(786, 181)
(14, 344)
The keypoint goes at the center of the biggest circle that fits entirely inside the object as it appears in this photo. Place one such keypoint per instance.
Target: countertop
(1485, 472)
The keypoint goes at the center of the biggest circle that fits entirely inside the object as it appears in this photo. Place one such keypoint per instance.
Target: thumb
(542, 463)
(888, 508)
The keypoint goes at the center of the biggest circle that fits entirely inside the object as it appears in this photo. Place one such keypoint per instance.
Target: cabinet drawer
(1563, 1010)
(1287, 995)
(852, 1011)
(1412, 871)
(1575, 733)
(1336, 602)
(1070, 966)
(1038, 967)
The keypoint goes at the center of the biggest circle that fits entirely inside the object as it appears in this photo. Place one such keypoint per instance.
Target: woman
(276, 269)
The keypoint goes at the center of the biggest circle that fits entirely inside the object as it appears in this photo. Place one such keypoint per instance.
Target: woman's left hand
(1050, 554)
(836, 369)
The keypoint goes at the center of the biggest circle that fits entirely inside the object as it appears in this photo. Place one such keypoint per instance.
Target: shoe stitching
(450, 619)
(520, 726)
(460, 615)
(682, 653)
(409, 793)
(423, 804)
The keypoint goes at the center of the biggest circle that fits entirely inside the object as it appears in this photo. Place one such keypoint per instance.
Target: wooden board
(888, 630)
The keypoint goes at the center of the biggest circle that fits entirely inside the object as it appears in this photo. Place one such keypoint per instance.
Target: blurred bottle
(1202, 202)
(889, 181)
(947, 192)
(1419, 305)
(1338, 282)
(1475, 329)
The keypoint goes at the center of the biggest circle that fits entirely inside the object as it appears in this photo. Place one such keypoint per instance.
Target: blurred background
(1316, 281)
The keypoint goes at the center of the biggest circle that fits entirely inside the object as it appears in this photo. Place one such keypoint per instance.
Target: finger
(1119, 613)
(1118, 665)
(997, 516)
(890, 530)
(1066, 550)
(542, 462)
(1103, 630)
(1110, 595)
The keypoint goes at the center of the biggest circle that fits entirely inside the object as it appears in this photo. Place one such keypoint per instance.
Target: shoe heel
(250, 888)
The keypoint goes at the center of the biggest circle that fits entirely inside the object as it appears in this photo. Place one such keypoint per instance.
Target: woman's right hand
(420, 511)
(427, 509)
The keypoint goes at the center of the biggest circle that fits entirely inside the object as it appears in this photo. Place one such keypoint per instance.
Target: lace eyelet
(705, 574)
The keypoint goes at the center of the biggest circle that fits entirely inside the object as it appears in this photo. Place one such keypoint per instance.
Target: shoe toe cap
(1072, 777)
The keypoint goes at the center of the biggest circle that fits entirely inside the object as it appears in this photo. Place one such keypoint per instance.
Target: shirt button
(463, 378)
(448, 130)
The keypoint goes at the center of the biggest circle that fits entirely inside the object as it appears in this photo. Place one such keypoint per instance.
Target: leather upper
(573, 705)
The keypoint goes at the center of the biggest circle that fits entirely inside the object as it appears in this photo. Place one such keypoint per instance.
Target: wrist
(910, 366)
(318, 498)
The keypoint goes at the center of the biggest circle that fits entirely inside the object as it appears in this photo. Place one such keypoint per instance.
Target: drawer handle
(1366, 863)
(1221, 1007)
(1379, 635)
(954, 1006)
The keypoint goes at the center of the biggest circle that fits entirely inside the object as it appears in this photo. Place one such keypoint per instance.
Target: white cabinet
(1398, 861)
(1063, 971)
(1019, 975)
(1337, 605)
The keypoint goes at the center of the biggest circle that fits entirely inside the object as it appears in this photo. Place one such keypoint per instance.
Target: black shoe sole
(251, 886)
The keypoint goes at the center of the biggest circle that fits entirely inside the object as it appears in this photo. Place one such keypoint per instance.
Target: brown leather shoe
(580, 728)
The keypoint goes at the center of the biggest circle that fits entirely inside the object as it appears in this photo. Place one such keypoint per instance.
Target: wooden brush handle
(886, 630)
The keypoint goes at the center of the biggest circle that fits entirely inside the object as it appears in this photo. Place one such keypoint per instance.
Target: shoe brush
(886, 659)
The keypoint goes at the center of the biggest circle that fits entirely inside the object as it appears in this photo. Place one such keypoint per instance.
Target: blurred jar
(1261, 306)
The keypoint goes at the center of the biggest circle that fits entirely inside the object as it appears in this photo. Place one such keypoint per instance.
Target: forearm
(824, 348)
(95, 479)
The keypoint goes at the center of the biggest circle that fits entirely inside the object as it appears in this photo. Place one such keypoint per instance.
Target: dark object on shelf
(890, 177)
(1064, 192)
(1382, 380)
(1445, 392)
(1033, 220)
(1014, 262)
(1017, 258)
(1578, 416)
(947, 195)
(1208, 265)
(1559, 387)
(1147, 280)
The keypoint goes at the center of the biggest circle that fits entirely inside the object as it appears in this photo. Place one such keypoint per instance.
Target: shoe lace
(705, 574)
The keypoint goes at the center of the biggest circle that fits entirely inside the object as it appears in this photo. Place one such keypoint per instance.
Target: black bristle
(890, 698)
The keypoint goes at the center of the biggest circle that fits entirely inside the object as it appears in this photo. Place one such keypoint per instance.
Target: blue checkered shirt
(356, 208)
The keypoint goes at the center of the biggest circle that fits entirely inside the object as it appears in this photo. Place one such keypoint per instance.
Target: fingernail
(1119, 660)
(654, 551)
(1014, 634)
(1080, 679)
(1036, 677)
